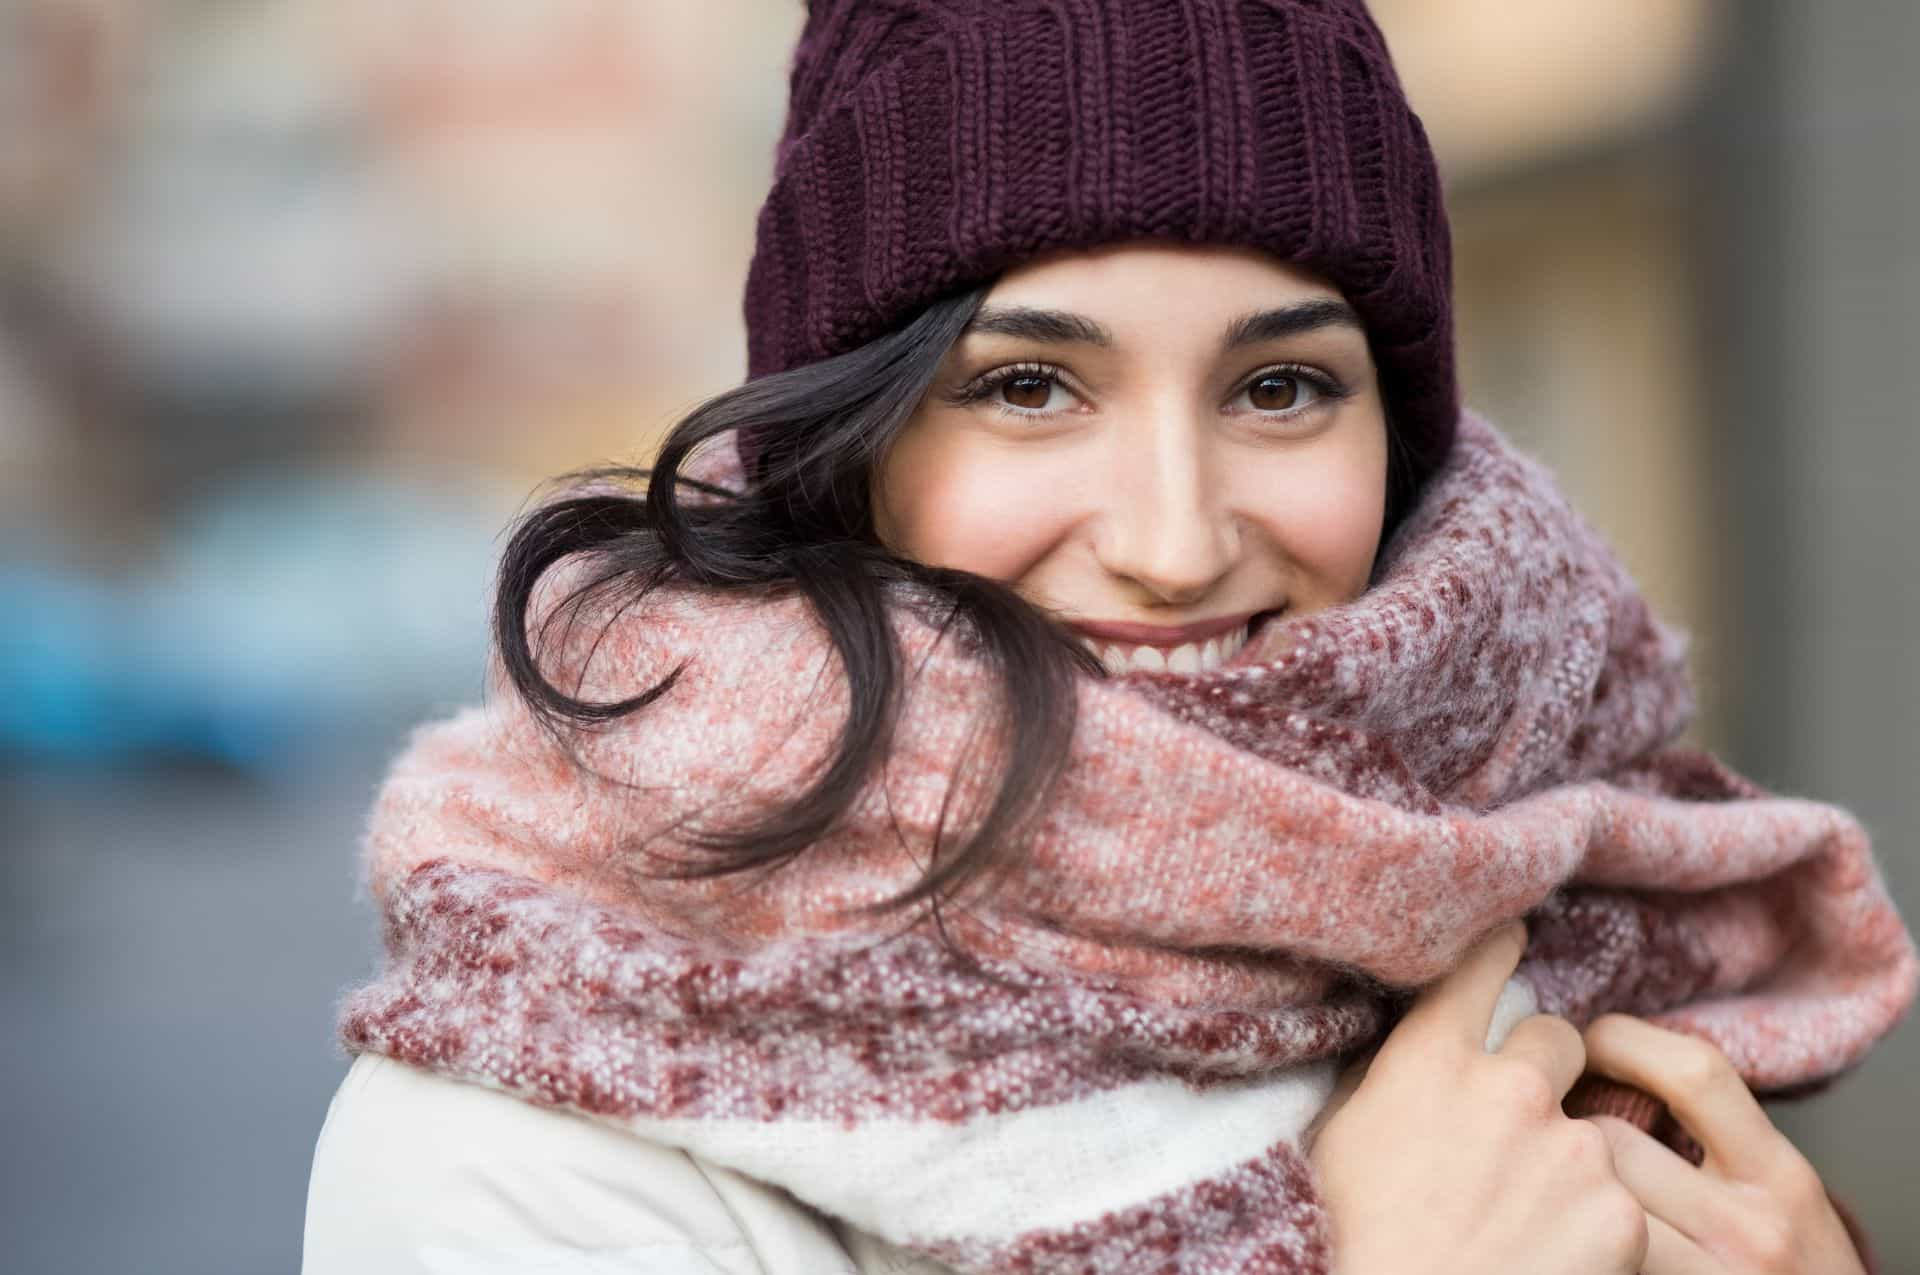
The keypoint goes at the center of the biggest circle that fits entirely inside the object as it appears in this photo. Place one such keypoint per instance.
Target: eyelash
(1328, 389)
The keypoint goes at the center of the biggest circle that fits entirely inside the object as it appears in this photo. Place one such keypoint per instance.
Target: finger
(1459, 1006)
(1551, 1044)
(1343, 1087)
(1671, 1253)
(1355, 1072)
(1698, 1084)
(1669, 1188)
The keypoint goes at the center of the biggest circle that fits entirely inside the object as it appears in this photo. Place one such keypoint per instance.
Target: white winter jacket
(418, 1174)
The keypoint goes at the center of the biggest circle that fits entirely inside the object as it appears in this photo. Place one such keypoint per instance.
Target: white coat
(418, 1174)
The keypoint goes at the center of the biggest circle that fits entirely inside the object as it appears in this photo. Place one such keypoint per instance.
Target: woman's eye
(1036, 390)
(1021, 391)
(1028, 391)
(1284, 392)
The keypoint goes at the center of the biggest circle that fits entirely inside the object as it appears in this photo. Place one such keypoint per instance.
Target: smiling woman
(1210, 449)
(1099, 527)
(1157, 444)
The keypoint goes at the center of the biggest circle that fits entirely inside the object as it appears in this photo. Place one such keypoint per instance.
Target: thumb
(1343, 1087)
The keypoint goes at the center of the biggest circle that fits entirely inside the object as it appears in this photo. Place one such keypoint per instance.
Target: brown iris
(1041, 386)
(1283, 398)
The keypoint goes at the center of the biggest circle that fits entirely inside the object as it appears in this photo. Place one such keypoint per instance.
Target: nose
(1168, 525)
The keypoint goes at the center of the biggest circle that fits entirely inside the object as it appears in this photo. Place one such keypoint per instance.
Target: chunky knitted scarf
(1109, 1062)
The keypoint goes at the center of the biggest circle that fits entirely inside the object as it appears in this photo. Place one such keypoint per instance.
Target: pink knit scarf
(1109, 1063)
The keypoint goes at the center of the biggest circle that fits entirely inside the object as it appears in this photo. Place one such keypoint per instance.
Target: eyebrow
(1063, 327)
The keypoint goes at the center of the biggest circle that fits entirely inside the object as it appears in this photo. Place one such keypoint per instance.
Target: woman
(1110, 393)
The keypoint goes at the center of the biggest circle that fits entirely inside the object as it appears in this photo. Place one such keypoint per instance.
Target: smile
(1193, 648)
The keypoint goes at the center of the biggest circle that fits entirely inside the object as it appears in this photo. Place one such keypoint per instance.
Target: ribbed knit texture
(930, 144)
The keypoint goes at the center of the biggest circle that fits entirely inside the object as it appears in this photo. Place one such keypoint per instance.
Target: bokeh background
(301, 299)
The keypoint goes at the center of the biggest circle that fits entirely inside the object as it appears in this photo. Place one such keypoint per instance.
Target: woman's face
(1157, 442)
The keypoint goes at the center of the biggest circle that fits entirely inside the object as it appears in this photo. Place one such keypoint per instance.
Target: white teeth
(1193, 657)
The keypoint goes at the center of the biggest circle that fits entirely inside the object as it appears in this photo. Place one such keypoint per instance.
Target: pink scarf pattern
(1109, 1062)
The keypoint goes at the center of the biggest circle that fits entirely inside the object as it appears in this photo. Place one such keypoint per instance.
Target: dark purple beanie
(931, 144)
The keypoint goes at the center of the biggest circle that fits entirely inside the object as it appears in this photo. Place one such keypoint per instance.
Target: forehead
(1162, 294)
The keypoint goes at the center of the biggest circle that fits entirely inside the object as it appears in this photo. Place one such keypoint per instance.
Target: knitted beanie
(930, 144)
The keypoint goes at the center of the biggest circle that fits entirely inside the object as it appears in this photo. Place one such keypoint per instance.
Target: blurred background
(300, 299)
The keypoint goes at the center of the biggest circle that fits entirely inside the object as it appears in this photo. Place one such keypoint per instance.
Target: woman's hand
(1754, 1206)
(1444, 1159)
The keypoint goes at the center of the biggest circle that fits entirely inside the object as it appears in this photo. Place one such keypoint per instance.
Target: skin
(1439, 1157)
(1167, 476)
(1754, 1204)
(1522, 1186)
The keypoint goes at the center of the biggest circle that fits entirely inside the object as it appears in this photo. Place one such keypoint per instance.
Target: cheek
(1324, 520)
(973, 508)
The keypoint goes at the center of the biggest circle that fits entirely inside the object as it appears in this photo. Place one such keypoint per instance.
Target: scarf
(1110, 1061)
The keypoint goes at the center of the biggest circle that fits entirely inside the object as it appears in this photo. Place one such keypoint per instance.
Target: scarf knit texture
(1109, 1062)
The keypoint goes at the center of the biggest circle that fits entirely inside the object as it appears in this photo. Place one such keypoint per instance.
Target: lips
(1194, 648)
(1163, 636)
